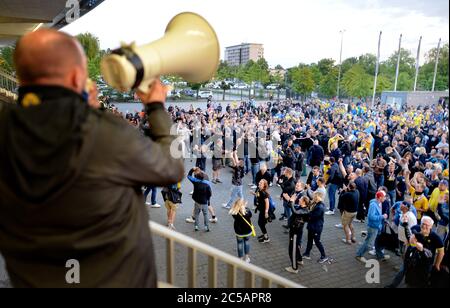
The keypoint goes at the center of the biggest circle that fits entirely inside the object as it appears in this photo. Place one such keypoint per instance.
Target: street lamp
(340, 62)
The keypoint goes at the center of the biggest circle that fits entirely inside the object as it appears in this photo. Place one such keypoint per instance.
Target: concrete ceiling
(18, 17)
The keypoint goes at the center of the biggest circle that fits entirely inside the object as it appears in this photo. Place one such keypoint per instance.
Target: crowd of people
(378, 165)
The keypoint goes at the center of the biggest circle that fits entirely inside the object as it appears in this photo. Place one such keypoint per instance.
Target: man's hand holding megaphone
(157, 93)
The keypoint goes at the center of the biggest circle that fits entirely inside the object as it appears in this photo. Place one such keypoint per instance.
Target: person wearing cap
(407, 216)
(375, 219)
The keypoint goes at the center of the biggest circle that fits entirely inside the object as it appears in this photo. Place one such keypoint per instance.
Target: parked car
(188, 92)
(273, 86)
(205, 94)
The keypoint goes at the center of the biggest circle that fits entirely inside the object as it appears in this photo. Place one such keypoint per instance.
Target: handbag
(251, 225)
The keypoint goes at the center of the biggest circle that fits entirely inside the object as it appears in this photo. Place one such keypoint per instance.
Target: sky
(292, 31)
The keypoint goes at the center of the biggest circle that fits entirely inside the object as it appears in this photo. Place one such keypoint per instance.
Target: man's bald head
(49, 57)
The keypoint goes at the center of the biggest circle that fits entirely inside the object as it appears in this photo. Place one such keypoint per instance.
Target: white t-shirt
(412, 221)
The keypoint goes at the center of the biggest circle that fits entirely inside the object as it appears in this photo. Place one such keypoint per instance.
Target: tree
(347, 64)
(368, 62)
(317, 75)
(357, 83)
(6, 59)
(426, 71)
(328, 84)
(405, 82)
(196, 87)
(303, 81)
(224, 86)
(325, 66)
(279, 67)
(91, 46)
(383, 84)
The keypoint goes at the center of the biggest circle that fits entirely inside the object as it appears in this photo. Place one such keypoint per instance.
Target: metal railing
(214, 255)
(8, 86)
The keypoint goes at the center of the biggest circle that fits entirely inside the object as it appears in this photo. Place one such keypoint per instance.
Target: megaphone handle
(146, 85)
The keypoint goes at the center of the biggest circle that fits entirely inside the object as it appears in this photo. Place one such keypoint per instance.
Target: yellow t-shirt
(445, 173)
(325, 172)
(420, 202)
(434, 198)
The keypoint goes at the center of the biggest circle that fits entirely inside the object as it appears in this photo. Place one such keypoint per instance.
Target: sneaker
(196, 228)
(171, 227)
(329, 213)
(207, 229)
(346, 242)
(339, 226)
(385, 258)
(361, 259)
(254, 187)
(291, 270)
(300, 263)
(363, 233)
(260, 237)
(278, 185)
(247, 259)
(353, 241)
(306, 257)
(214, 181)
(373, 252)
(156, 206)
(281, 218)
(271, 184)
(322, 260)
(191, 193)
(225, 206)
(264, 240)
(148, 203)
(251, 184)
(190, 220)
(213, 220)
(219, 181)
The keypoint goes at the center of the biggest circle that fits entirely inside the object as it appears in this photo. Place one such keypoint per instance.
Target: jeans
(247, 164)
(371, 239)
(287, 209)
(332, 189)
(379, 179)
(398, 277)
(313, 236)
(236, 193)
(255, 169)
(392, 194)
(243, 246)
(147, 192)
(201, 208)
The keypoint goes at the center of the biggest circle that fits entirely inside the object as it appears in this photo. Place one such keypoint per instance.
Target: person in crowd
(262, 197)
(172, 199)
(334, 182)
(300, 214)
(350, 201)
(375, 221)
(201, 196)
(243, 228)
(236, 180)
(287, 183)
(315, 227)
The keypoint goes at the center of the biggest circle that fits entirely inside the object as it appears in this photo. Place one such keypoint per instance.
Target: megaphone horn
(189, 48)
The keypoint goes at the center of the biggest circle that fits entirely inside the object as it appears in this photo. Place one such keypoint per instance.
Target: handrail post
(231, 280)
(170, 261)
(212, 272)
(192, 268)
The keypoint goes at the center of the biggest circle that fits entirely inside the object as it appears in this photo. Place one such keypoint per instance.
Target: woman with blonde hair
(315, 227)
(262, 205)
(243, 228)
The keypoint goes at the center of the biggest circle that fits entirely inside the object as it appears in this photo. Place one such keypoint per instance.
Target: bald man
(70, 176)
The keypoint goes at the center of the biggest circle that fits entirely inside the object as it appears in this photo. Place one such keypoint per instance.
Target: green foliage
(91, 46)
(356, 82)
(328, 83)
(6, 59)
(303, 81)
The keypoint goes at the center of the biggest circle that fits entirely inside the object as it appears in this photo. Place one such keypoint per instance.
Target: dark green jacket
(70, 188)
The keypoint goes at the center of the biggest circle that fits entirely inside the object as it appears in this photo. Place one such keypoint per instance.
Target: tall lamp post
(340, 63)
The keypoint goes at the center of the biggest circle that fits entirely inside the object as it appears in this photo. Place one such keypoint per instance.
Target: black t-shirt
(261, 197)
(390, 180)
(433, 242)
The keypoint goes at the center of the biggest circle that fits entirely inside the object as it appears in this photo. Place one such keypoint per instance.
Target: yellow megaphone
(189, 48)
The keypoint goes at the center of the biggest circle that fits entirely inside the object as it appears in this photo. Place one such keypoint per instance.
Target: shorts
(347, 218)
(216, 164)
(170, 205)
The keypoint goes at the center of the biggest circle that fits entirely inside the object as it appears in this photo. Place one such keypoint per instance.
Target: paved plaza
(344, 272)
